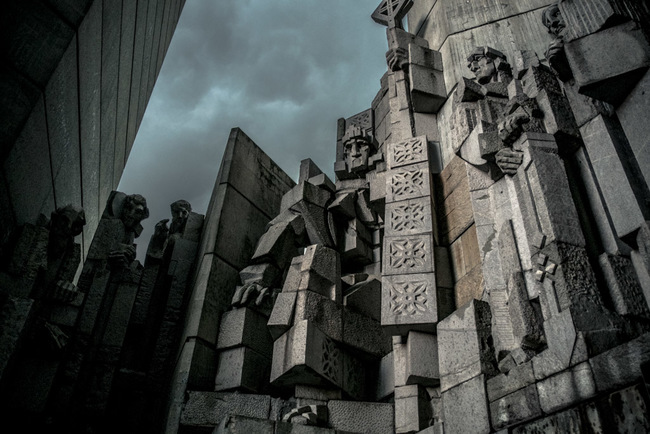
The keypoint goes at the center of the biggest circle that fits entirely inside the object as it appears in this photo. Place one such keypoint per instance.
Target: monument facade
(478, 264)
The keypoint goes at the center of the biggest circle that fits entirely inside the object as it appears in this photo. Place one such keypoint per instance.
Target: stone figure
(133, 211)
(489, 66)
(181, 210)
(319, 252)
(554, 21)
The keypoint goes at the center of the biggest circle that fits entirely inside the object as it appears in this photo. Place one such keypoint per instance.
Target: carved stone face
(483, 68)
(553, 20)
(134, 210)
(67, 221)
(356, 152)
(180, 211)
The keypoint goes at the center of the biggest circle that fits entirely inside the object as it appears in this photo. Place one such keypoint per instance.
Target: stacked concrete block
(409, 293)
(241, 188)
(245, 347)
(465, 345)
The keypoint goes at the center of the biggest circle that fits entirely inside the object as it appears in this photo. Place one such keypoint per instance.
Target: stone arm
(275, 250)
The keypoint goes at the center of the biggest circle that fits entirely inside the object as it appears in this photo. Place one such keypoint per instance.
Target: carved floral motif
(409, 298)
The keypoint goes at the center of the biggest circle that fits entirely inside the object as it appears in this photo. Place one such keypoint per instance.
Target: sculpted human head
(553, 20)
(67, 221)
(488, 65)
(356, 150)
(134, 210)
(180, 209)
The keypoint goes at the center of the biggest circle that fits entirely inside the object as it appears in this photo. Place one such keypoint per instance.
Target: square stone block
(464, 344)
(244, 327)
(407, 152)
(242, 368)
(412, 409)
(515, 408)
(282, 314)
(408, 182)
(409, 302)
(567, 388)
(609, 74)
(408, 254)
(376, 418)
(465, 408)
(409, 217)
(305, 355)
(422, 359)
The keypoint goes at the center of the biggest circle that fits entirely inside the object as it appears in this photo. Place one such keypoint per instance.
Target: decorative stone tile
(408, 183)
(408, 217)
(409, 300)
(410, 254)
(407, 152)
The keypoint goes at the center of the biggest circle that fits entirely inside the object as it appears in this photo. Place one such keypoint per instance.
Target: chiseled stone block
(409, 217)
(464, 344)
(465, 408)
(422, 359)
(244, 425)
(515, 408)
(408, 254)
(505, 384)
(242, 368)
(567, 388)
(305, 355)
(244, 327)
(408, 182)
(374, 417)
(210, 408)
(410, 151)
(409, 302)
(386, 377)
(610, 73)
(282, 314)
(412, 409)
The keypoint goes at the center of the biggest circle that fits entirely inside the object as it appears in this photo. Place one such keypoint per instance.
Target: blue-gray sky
(283, 71)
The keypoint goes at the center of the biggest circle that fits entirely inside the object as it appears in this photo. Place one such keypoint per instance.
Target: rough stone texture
(244, 425)
(386, 376)
(568, 422)
(468, 398)
(373, 417)
(566, 388)
(464, 348)
(242, 368)
(631, 114)
(412, 409)
(624, 287)
(244, 327)
(602, 146)
(515, 408)
(422, 359)
(603, 74)
(409, 301)
(505, 384)
(209, 408)
(621, 366)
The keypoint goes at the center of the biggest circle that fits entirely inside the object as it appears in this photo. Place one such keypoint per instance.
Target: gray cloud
(282, 70)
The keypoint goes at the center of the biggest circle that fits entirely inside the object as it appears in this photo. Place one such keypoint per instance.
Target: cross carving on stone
(391, 12)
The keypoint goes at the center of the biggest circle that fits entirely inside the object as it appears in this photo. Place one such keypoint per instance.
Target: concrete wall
(456, 27)
(75, 81)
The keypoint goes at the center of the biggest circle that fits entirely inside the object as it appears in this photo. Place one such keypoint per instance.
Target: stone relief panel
(412, 254)
(409, 299)
(408, 217)
(407, 152)
(408, 183)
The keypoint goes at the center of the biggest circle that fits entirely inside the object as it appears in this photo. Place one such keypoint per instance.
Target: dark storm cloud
(282, 70)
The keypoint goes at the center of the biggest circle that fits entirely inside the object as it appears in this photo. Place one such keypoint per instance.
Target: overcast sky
(283, 71)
